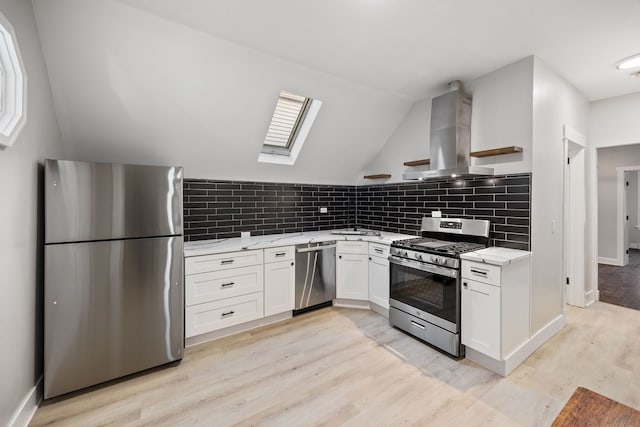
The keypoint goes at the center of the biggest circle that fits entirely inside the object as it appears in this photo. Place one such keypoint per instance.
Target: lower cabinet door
(279, 287)
(211, 316)
(352, 276)
(379, 281)
(481, 318)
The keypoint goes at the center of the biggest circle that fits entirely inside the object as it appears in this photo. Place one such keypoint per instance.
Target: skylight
(289, 127)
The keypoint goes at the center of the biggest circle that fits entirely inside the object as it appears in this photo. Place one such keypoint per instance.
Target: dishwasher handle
(315, 249)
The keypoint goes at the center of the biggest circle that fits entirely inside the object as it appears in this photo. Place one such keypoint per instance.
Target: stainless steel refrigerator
(114, 293)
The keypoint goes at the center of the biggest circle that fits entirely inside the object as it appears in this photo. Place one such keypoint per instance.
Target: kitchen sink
(356, 232)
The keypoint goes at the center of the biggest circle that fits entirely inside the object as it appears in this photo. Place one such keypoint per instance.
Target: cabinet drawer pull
(227, 314)
(281, 254)
(226, 285)
(378, 250)
(227, 261)
(418, 325)
(482, 273)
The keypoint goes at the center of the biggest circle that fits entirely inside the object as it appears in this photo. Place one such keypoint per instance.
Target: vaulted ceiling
(194, 82)
(409, 47)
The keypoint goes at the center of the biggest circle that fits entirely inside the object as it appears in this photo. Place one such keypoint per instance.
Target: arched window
(13, 86)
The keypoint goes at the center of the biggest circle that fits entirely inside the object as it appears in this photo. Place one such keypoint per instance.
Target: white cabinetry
(481, 327)
(279, 280)
(379, 274)
(352, 270)
(495, 306)
(223, 290)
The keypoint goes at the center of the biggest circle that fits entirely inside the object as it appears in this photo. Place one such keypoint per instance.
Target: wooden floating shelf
(418, 162)
(378, 176)
(497, 151)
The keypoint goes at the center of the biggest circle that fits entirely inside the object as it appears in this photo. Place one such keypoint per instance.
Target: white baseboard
(512, 361)
(535, 342)
(351, 303)
(609, 261)
(592, 297)
(231, 330)
(383, 311)
(27, 409)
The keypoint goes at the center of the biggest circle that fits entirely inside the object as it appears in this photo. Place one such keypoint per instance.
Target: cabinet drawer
(377, 249)
(217, 262)
(352, 247)
(481, 272)
(285, 253)
(206, 287)
(215, 315)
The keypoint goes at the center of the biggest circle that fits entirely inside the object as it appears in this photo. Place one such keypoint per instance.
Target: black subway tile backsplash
(222, 209)
(230, 207)
(501, 199)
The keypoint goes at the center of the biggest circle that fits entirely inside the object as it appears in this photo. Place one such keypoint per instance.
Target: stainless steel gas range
(425, 279)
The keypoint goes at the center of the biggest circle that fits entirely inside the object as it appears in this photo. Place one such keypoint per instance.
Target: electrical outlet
(323, 210)
(436, 214)
(245, 234)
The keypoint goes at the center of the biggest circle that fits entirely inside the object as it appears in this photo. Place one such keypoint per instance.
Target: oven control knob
(419, 256)
(405, 254)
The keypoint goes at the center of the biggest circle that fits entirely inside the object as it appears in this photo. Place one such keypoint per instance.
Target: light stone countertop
(216, 246)
(496, 255)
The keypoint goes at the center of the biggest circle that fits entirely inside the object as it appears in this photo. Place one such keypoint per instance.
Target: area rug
(587, 408)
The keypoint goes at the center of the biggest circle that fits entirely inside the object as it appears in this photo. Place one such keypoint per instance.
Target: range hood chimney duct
(450, 137)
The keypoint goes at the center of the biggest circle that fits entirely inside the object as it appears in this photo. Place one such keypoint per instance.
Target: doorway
(619, 225)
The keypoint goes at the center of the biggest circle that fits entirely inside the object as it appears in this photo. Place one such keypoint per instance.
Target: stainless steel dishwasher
(315, 276)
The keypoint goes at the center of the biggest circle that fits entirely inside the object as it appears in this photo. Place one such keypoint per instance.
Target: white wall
(131, 86)
(21, 285)
(555, 103)
(612, 122)
(409, 141)
(501, 116)
(609, 159)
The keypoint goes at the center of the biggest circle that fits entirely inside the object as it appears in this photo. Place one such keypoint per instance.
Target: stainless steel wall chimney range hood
(450, 138)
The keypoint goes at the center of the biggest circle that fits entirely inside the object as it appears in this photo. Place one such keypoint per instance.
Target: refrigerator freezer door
(111, 309)
(100, 201)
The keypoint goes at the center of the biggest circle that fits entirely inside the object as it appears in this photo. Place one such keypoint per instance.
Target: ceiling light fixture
(629, 63)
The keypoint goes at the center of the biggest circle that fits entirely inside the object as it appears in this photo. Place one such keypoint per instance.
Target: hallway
(621, 285)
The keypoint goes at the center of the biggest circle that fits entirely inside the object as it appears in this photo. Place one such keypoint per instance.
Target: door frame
(621, 198)
(574, 199)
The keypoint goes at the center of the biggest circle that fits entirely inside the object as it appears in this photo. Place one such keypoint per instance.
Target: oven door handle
(430, 268)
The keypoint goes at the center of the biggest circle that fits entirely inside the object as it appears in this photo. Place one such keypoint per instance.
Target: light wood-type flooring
(339, 366)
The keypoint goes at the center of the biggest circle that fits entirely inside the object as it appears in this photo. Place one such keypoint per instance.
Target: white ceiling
(409, 47)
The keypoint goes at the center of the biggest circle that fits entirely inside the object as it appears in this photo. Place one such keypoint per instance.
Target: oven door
(427, 291)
